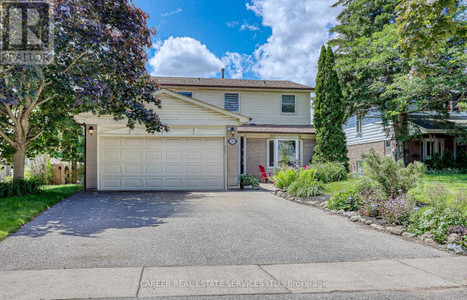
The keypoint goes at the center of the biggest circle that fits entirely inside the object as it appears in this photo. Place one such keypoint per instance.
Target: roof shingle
(231, 83)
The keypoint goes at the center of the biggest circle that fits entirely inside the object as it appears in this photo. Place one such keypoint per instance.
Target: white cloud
(184, 56)
(247, 26)
(175, 12)
(299, 28)
(237, 64)
(232, 23)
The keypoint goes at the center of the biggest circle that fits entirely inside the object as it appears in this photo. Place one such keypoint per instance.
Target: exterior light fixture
(374, 209)
(91, 130)
(232, 131)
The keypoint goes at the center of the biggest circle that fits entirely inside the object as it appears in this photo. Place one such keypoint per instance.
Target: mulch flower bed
(378, 224)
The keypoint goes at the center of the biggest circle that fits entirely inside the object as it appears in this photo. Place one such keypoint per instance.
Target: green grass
(16, 211)
(336, 187)
(454, 183)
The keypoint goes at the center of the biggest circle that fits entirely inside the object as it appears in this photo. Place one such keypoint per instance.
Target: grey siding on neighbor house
(372, 131)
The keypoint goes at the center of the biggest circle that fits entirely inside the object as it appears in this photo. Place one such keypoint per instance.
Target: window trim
(295, 104)
(239, 102)
(192, 93)
(298, 149)
(358, 126)
(386, 148)
(437, 142)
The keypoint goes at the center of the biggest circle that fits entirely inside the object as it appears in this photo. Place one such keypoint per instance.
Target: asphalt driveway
(186, 229)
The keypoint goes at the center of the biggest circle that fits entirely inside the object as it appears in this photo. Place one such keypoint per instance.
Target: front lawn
(454, 183)
(16, 211)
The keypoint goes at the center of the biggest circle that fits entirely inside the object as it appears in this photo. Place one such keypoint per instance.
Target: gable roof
(240, 117)
(231, 83)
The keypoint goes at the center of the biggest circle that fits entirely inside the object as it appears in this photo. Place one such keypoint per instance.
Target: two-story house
(430, 136)
(219, 129)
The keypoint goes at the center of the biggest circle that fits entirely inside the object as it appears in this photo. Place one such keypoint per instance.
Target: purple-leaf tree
(99, 66)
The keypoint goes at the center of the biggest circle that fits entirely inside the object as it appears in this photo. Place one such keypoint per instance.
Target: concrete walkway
(417, 275)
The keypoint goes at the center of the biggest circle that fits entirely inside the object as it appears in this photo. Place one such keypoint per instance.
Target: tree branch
(75, 61)
(3, 135)
(10, 113)
(37, 135)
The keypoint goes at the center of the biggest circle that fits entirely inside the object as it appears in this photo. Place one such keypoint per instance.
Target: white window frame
(298, 149)
(192, 93)
(386, 148)
(239, 101)
(295, 104)
(358, 126)
(436, 143)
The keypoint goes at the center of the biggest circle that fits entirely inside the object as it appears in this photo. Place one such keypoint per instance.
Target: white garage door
(161, 163)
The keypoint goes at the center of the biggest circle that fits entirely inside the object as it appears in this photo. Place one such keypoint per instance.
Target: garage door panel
(161, 163)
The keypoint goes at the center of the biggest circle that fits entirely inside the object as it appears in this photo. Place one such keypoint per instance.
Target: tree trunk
(74, 172)
(19, 159)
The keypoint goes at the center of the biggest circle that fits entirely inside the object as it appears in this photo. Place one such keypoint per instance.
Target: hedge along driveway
(16, 211)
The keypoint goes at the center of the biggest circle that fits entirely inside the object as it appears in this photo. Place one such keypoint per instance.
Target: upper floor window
(289, 105)
(358, 125)
(231, 102)
(187, 94)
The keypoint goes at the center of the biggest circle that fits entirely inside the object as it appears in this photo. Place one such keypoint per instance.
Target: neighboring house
(219, 129)
(433, 136)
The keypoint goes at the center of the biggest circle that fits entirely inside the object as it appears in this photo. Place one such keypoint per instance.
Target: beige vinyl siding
(263, 107)
(179, 112)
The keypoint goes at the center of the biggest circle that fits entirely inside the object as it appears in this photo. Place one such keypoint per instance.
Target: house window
(231, 102)
(360, 167)
(358, 126)
(431, 146)
(289, 104)
(388, 148)
(278, 150)
(186, 94)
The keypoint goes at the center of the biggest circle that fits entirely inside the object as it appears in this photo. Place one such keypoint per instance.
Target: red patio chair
(265, 176)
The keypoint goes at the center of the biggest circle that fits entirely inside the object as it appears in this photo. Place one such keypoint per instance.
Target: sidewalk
(381, 275)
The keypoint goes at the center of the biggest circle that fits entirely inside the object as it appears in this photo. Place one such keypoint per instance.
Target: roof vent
(199, 79)
(264, 82)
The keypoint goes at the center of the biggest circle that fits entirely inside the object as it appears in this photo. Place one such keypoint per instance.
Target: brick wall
(91, 158)
(256, 154)
(356, 151)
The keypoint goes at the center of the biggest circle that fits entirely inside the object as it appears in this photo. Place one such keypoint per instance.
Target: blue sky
(254, 39)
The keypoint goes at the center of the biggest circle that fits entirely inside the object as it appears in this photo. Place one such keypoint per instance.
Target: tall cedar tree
(329, 113)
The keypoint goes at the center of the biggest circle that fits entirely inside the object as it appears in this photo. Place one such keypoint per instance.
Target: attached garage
(128, 163)
(194, 155)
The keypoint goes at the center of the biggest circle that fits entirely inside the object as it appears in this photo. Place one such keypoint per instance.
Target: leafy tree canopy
(100, 66)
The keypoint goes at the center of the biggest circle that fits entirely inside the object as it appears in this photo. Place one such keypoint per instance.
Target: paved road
(188, 229)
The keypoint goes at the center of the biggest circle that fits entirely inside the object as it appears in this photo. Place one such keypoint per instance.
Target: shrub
(397, 210)
(461, 161)
(347, 200)
(371, 198)
(284, 179)
(247, 180)
(441, 214)
(449, 161)
(434, 162)
(330, 172)
(20, 187)
(459, 229)
(392, 176)
(444, 172)
(306, 186)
